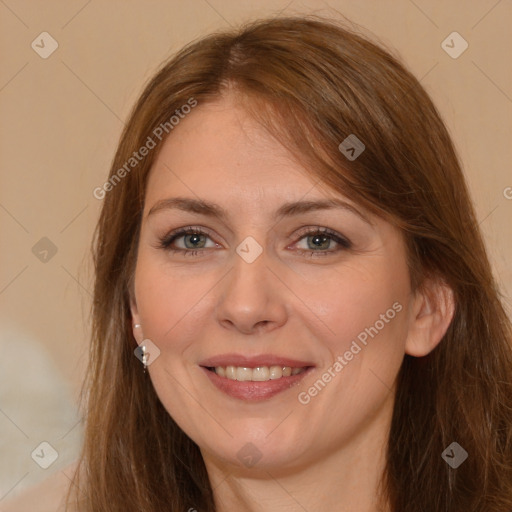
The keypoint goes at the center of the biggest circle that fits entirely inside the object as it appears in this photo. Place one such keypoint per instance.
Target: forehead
(219, 147)
(231, 168)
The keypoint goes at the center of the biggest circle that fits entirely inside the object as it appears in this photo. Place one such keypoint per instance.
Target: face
(297, 296)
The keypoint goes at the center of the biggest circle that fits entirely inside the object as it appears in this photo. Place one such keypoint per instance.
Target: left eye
(319, 241)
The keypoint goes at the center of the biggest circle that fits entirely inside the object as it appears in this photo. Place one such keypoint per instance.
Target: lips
(288, 373)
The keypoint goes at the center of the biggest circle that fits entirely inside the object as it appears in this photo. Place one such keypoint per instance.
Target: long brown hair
(312, 83)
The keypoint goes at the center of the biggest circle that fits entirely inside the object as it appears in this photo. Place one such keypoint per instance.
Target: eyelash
(167, 240)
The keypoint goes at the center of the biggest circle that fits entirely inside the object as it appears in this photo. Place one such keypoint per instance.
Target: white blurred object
(36, 406)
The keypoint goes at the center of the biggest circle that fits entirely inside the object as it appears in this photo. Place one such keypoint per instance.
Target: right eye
(194, 239)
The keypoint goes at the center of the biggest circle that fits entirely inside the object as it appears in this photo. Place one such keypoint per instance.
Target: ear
(432, 311)
(136, 323)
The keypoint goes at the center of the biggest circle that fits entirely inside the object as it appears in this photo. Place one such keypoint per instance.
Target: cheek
(356, 302)
(169, 305)
(364, 321)
(366, 328)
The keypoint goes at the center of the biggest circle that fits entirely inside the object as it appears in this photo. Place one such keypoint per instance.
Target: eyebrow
(209, 209)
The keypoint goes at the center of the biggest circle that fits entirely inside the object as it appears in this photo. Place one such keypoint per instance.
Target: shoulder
(47, 496)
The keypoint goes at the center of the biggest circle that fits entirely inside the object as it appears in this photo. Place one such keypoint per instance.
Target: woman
(293, 306)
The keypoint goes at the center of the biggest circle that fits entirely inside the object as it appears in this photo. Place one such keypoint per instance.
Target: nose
(252, 300)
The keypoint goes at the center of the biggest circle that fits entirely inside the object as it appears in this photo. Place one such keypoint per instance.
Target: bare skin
(316, 451)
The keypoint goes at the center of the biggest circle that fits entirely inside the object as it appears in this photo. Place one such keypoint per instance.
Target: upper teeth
(261, 373)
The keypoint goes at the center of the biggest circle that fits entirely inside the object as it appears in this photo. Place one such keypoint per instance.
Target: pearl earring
(143, 349)
(144, 357)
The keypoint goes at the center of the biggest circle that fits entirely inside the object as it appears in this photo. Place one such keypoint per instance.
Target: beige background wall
(60, 121)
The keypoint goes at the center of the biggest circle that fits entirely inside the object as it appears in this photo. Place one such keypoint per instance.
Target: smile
(255, 377)
(258, 374)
